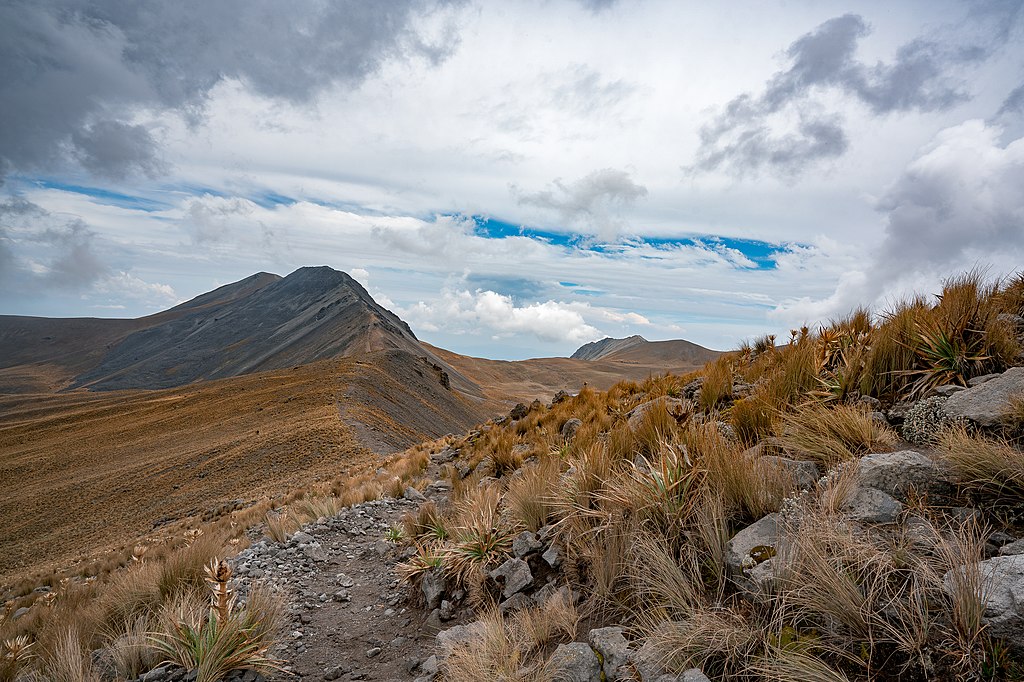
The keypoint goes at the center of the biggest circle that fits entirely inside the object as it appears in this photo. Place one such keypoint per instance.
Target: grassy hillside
(646, 491)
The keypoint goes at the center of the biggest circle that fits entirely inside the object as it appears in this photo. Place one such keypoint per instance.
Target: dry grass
(719, 641)
(993, 467)
(830, 435)
(717, 386)
(529, 496)
(749, 486)
(754, 418)
(513, 648)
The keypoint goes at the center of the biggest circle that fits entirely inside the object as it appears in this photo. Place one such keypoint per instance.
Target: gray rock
(1002, 593)
(870, 505)
(748, 555)
(413, 495)
(526, 543)
(872, 403)
(302, 538)
(570, 428)
(517, 602)
(946, 390)
(1012, 549)
(691, 675)
(674, 406)
(460, 635)
(374, 652)
(986, 403)
(895, 473)
(647, 662)
(614, 650)
(519, 411)
(444, 456)
(549, 591)
(694, 675)
(574, 662)
(514, 575)
(433, 588)
(978, 381)
(446, 610)
(553, 556)
(155, 674)
(314, 551)
(805, 474)
(879, 418)
(19, 613)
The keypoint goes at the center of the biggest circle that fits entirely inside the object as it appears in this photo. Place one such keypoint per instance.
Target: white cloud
(465, 311)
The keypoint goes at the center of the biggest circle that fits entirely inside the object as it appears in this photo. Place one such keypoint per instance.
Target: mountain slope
(598, 349)
(89, 471)
(312, 314)
(639, 351)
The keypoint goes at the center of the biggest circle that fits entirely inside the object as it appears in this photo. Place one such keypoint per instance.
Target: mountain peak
(261, 322)
(598, 349)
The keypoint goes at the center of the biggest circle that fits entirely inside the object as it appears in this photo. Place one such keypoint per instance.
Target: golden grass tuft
(830, 435)
(717, 386)
(991, 466)
(530, 496)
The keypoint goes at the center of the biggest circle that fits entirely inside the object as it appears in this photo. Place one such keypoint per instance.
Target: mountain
(598, 349)
(636, 350)
(312, 314)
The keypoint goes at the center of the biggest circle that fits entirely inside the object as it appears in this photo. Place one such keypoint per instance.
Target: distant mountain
(636, 350)
(258, 324)
(262, 322)
(599, 349)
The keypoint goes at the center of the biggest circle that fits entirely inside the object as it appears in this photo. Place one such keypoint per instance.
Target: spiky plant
(222, 601)
(199, 638)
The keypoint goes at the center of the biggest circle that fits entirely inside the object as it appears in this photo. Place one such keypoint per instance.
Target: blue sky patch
(105, 196)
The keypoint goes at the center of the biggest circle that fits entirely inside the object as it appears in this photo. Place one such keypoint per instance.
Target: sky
(513, 178)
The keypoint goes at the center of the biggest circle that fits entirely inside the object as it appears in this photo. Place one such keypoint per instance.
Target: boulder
(413, 495)
(526, 543)
(869, 505)
(895, 473)
(574, 662)
(691, 675)
(519, 411)
(1003, 594)
(460, 635)
(748, 555)
(986, 403)
(674, 406)
(514, 575)
(517, 602)
(432, 586)
(805, 474)
(647, 661)
(614, 650)
(569, 429)
(946, 390)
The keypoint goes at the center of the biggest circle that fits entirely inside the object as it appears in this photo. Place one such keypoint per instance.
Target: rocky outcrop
(1002, 590)
(749, 554)
(986, 403)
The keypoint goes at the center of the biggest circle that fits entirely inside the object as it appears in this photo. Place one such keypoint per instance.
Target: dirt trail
(348, 616)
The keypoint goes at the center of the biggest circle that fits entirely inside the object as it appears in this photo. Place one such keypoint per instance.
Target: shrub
(925, 422)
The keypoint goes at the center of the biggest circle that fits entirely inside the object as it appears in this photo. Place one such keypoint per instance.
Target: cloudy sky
(512, 178)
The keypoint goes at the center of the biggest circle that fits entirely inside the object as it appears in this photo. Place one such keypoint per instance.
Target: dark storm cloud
(71, 259)
(590, 202)
(72, 74)
(744, 139)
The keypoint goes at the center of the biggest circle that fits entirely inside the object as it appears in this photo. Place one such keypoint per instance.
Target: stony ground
(348, 615)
